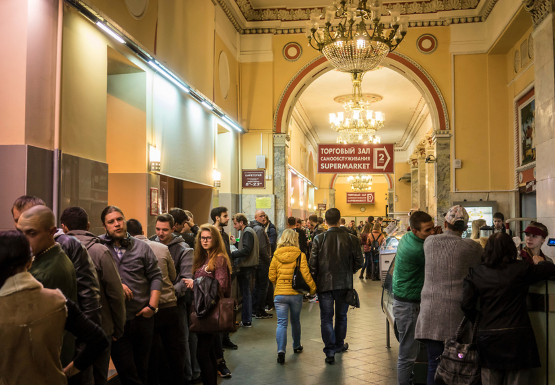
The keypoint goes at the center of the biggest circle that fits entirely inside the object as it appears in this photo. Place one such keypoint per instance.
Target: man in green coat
(408, 280)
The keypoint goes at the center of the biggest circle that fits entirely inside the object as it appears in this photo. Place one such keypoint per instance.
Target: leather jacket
(336, 255)
(88, 288)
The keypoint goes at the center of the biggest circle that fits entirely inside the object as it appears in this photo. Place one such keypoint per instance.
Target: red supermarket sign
(355, 158)
(360, 198)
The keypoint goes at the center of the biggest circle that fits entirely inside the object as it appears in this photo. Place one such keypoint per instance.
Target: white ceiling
(400, 98)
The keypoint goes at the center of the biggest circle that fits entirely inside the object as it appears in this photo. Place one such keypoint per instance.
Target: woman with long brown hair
(210, 260)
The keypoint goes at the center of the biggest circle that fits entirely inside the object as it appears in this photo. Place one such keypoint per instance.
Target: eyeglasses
(205, 239)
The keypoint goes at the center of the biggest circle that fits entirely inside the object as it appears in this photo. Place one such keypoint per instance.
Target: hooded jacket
(264, 246)
(112, 298)
(182, 256)
(282, 269)
(272, 236)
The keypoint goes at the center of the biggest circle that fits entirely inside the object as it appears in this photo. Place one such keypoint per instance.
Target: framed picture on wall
(153, 201)
(526, 125)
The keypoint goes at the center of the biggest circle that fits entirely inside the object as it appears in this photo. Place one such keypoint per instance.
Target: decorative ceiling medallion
(137, 8)
(426, 43)
(292, 51)
(517, 60)
(366, 98)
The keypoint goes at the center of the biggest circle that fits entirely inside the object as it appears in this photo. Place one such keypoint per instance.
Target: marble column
(390, 202)
(544, 70)
(442, 174)
(281, 142)
(414, 187)
(332, 198)
(422, 192)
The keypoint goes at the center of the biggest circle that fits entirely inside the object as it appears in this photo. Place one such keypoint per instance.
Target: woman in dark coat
(506, 341)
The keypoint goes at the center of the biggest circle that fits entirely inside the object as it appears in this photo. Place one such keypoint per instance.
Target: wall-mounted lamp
(154, 157)
(292, 201)
(301, 203)
(309, 206)
(430, 159)
(217, 176)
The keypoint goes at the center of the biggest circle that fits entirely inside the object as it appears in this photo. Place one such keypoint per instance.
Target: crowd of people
(441, 277)
(77, 299)
(81, 299)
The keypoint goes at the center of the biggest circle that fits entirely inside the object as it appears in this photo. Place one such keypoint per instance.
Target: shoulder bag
(298, 283)
(351, 298)
(460, 363)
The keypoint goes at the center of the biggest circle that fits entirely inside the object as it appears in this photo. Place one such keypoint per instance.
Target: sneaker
(330, 360)
(246, 324)
(223, 371)
(342, 349)
(229, 345)
(269, 308)
(314, 300)
(263, 315)
(298, 350)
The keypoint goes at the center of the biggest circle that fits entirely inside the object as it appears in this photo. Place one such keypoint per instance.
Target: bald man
(51, 266)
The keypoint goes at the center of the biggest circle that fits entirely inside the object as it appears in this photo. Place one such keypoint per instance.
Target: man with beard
(142, 284)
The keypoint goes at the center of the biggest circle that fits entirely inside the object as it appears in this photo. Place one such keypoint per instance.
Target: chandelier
(360, 182)
(359, 124)
(360, 41)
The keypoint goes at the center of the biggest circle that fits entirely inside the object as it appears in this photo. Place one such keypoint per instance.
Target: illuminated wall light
(110, 32)
(154, 159)
(292, 201)
(217, 176)
(207, 105)
(168, 76)
(301, 203)
(232, 123)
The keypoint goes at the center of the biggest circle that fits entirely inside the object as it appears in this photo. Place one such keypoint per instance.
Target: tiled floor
(367, 361)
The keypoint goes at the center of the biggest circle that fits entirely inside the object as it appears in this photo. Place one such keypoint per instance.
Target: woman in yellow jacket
(285, 298)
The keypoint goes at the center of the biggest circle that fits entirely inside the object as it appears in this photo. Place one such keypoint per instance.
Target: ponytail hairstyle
(15, 252)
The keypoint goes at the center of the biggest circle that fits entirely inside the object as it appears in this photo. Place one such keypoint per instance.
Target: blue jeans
(406, 314)
(367, 262)
(284, 303)
(435, 350)
(244, 281)
(333, 338)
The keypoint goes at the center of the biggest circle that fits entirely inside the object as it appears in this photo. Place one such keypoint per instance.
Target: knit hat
(455, 214)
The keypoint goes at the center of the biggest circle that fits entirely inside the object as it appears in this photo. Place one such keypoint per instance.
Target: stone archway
(397, 62)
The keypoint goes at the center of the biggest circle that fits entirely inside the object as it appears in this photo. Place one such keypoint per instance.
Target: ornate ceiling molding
(539, 9)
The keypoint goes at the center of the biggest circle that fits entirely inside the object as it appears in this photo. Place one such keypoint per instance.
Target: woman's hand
(70, 370)
(188, 282)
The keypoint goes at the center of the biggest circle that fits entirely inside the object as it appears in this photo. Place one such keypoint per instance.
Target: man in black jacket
(295, 224)
(265, 257)
(336, 255)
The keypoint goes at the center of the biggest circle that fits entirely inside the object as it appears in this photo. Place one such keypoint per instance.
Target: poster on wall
(526, 125)
(356, 158)
(361, 198)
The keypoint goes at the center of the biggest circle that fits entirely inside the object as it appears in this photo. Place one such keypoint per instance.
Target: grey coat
(448, 258)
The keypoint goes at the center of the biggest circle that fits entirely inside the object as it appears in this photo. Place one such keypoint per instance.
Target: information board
(253, 179)
(360, 198)
(355, 158)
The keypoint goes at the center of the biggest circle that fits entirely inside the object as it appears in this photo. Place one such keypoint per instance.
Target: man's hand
(191, 224)
(437, 230)
(232, 239)
(127, 291)
(537, 259)
(70, 370)
(188, 282)
(146, 312)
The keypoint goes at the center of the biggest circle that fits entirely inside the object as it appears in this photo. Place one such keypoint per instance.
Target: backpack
(375, 246)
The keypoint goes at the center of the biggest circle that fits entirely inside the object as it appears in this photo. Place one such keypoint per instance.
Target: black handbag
(298, 283)
(206, 295)
(351, 298)
(460, 363)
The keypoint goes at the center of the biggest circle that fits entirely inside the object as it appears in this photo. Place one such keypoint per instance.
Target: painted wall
(347, 210)
(229, 102)
(250, 148)
(402, 188)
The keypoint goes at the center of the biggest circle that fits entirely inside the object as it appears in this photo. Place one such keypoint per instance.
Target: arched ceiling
(400, 99)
